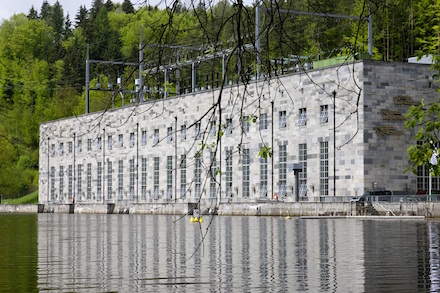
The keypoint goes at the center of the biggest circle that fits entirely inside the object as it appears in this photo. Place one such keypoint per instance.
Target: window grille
(282, 190)
(283, 119)
(156, 136)
(144, 137)
(120, 179)
(183, 132)
(197, 176)
(156, 177)
(79, 147)
(132, 178)
(169, 134)
(246, 172)
(263, 191)
(263, 176)
(263, 121)
(169, 176)
(213, 183)
(197, 130)
(70, 181)
(89, 181)
(303, 190)
(52, 183)
(212, 130)
(144, 179)
(245, 123)
(323, 168)
(303, 161)
(183, 176)
(282, 170)
(99, 181)
(79, 177)
(323, 116)
(109, 180)
(120, 140)
(228, 126)
(61, 175)
(302, 117)
(131, 139)
(228, 173)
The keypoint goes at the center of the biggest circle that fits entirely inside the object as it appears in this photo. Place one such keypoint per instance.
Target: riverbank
(297, 209)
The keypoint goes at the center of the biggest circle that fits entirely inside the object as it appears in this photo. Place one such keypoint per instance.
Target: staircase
(371, 211)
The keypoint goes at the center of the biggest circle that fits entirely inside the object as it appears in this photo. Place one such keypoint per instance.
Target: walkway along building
(166, 151)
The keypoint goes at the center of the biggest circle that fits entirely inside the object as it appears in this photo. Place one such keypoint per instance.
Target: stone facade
(134, 154)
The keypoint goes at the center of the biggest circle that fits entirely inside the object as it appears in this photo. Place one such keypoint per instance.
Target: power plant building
(342, 125)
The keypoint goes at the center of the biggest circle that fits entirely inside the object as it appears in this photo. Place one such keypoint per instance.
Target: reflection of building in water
(400, 245)
(139, 253)
(434, 257)
(325, 258)
(148, 153)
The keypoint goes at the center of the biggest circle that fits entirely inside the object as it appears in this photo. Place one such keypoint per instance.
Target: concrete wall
(289, 209)
(390, 88)
(22, 208)
(427, 209)
(128, 174)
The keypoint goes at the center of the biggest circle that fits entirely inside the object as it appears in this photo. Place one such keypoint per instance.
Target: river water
(146, 253)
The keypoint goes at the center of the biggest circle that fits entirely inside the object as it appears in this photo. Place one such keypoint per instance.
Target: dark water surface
(144, 253)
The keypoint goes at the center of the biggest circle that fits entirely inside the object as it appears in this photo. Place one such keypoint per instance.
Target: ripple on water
(141, 253)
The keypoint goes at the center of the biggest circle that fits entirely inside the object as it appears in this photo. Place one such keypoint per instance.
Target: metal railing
(374, 198)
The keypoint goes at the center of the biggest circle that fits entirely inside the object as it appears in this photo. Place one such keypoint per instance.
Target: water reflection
(18, 253)
(140, 253)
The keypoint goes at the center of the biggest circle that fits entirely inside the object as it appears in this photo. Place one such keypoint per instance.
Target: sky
(11, 7)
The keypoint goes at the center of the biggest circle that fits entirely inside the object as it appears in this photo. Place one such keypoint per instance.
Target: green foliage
(31, 198)
(42, 58)
(425, 119)
(265, 152)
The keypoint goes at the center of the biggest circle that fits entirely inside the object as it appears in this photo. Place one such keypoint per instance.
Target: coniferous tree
(109, 5)
(45, 11)
(33, 14)
(104, 41)
(96, 7)
(56, 21)
(127, 7)
(67, 27)
(81, 18)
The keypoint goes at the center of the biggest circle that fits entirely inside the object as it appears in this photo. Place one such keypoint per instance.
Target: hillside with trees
(43, 54)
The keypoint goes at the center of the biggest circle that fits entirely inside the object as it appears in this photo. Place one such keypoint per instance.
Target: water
(144, 253)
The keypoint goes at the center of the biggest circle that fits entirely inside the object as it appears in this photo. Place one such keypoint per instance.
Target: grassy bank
(31, 198)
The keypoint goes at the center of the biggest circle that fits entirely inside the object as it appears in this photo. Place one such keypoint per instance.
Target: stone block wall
(133, 155)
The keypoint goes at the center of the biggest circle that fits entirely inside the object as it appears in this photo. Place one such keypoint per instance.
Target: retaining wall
(426, 209)
(21, 208)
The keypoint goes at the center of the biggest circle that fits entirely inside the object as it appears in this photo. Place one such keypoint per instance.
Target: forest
(43, 54)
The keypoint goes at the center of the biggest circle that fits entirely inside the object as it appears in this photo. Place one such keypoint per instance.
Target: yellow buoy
(201, 220)
(196, 219)
(192, 219)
